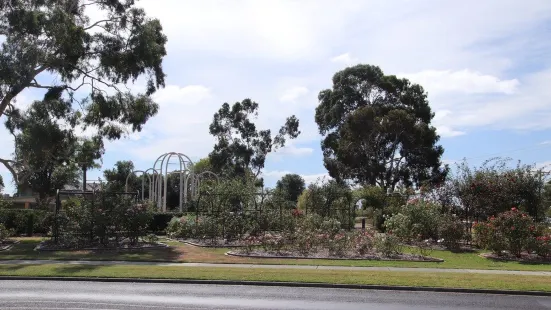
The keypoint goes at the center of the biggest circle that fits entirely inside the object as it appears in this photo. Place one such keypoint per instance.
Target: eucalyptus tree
(81, 62)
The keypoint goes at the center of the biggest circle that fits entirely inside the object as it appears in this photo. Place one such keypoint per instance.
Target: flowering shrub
(387, 244)
(103, 220)
(510, 231)
(417, 220)
(363, 241)
(339, 244)
(451, 231)
(272, 242)
(543, 246)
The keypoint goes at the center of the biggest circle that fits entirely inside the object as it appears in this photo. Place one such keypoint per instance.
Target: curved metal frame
(158, 179)
(143, 181)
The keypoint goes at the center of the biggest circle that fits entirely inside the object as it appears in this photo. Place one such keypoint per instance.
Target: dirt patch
(326, 255)
(524, 258)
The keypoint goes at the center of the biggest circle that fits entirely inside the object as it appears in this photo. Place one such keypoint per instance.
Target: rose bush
(417, 220)
(511, 231)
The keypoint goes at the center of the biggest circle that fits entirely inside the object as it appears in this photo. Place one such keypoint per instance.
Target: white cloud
(281, 30)
(294, 93)
(344, 59)
(447, 132)
(180, 126)
(463, 81)
(274, 175)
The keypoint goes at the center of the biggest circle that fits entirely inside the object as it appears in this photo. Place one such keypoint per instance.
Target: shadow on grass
(71, 269)
(11, 268)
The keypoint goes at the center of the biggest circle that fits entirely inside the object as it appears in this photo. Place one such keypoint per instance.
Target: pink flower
(512, 227)
(513, 209)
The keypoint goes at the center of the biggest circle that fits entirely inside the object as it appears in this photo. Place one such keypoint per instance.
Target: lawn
(179, 252)
(449, 280)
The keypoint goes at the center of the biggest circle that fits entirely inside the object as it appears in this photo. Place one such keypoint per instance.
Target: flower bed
(214, 243)
(524, 258)
(49, 245)
(324, 254)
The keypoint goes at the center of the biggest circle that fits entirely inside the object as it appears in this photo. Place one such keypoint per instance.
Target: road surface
(47, 295)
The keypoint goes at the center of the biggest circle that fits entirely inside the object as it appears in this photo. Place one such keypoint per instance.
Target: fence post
(56, 213)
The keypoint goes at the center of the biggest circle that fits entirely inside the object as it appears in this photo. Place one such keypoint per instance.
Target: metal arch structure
(152, 183)
(158, 179)
(161, 165)
(143, 181)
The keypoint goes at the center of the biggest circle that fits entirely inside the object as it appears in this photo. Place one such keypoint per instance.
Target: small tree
(290, 187)
(241, 149)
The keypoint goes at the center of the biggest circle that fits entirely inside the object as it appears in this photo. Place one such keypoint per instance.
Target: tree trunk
(84, 178)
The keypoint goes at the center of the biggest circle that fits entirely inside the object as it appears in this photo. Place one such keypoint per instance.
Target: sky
(486, 66)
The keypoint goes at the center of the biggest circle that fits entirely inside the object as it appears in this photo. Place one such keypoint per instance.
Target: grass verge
(470, 281)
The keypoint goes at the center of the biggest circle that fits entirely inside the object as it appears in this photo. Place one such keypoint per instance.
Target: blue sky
(486, 66)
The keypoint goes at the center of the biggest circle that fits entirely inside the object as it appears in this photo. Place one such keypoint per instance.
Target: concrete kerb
(286, 284)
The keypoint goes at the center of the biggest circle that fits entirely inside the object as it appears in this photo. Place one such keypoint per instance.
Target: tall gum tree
(377, 130)
(84, 55)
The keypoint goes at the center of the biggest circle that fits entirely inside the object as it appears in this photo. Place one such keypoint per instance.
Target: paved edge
(287, 284)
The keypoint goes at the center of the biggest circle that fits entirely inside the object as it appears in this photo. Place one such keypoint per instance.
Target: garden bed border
(491, 256)
(431, 260)
(158, 245)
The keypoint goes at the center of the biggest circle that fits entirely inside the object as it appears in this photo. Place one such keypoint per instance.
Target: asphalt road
(96, 295)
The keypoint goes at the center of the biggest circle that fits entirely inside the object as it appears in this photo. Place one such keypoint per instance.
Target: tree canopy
(291, 186)
(88, 59)
(46, 147)
(241, 148)
(116, 177)
(377, 130)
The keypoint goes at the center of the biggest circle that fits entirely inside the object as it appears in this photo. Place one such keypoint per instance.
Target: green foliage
(47, 149)
(25, 222)
(160, 221)
(388, 245)
(417, 220)
(494, 187)
(4, 233)
(377, 130)
(87, 55)
(543, 245)
(451, 231)
(330, 199)
(371, 196)
(103, 220)
(512, 231)
(291, 187)
(241, 149)
(116, 177)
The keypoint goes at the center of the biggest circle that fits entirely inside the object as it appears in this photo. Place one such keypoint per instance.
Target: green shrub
(388, 245)
(338, 244)
(543, 246)
(451, 231)
(26, 221)
(160, 220)
(417, 220)
(4, 233)
(363, 241)
(511, 231)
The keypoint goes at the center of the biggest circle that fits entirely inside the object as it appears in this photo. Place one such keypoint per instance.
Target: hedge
(26, 222)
